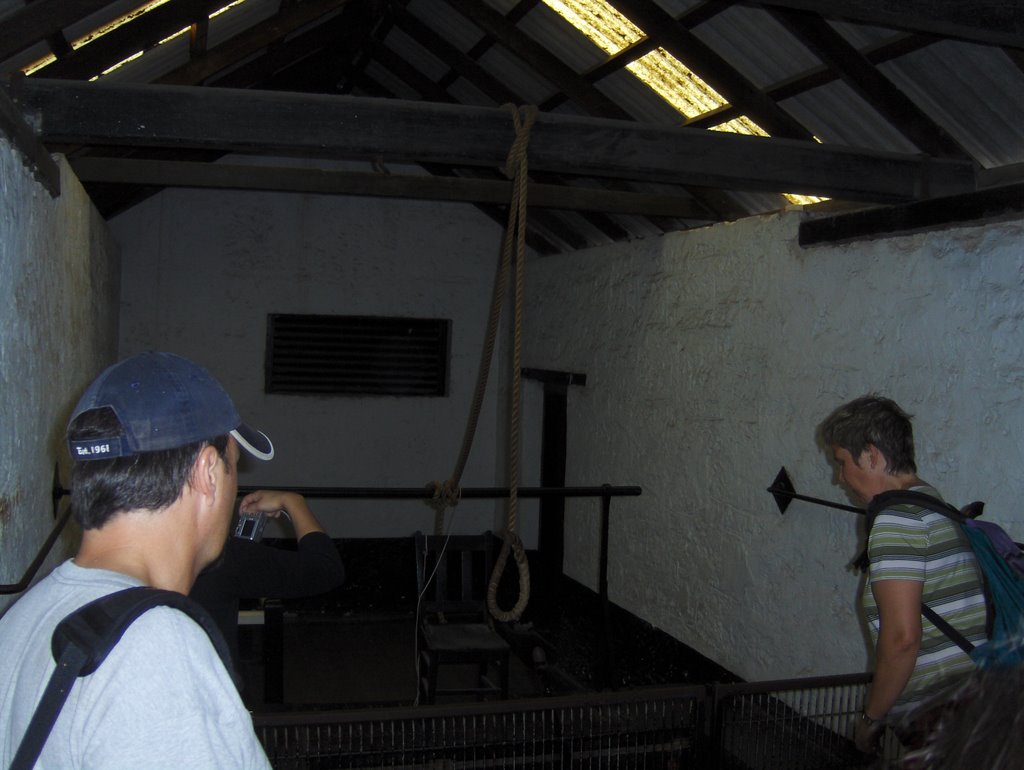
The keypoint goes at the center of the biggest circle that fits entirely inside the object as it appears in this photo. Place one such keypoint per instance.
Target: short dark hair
(876, 420)
(100, 489)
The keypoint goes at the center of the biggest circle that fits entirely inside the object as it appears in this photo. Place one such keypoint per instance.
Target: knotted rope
(446, 494)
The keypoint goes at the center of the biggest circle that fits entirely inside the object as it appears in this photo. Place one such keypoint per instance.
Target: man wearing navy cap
(155, 442)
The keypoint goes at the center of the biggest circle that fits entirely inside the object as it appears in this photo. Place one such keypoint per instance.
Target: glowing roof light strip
(659, 70)
(96, 34)
(120, 21)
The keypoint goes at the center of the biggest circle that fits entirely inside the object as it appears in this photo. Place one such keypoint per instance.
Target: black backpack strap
(943, 625)
(885, 500)
(82, 641)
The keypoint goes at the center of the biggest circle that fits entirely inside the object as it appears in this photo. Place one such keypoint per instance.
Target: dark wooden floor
(356, 646)
(357, 662)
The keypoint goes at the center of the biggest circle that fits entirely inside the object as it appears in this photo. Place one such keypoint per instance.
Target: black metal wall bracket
(783, 491)
(58, 490)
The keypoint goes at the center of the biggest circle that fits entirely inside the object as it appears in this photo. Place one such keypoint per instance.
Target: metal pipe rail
(37, 562)
(57, 492)
(477, 493)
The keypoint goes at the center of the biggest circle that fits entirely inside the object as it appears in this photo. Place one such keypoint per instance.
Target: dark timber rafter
(868, 81)
(141, 34)
(475, 74)
(542, 61)
(574, 87)
(269, 36)
(992, 22)
(228, 120)
(41, 20)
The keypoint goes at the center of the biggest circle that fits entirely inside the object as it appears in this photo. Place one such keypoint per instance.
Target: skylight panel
(99, 32)
(603, 25)
(676, 83)
(659, 70)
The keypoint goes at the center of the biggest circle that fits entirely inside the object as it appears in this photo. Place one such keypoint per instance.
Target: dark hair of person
(149, 481)
(873, 420)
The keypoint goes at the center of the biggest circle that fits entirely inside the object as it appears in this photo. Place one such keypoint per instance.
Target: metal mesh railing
(788, 725)
(649, 729)
(801, 724)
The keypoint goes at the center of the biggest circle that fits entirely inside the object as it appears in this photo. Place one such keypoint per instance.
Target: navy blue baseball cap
(162, 401)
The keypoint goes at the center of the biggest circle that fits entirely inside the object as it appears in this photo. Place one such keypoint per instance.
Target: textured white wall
(202, 270)
(711, 356)
(59, 276)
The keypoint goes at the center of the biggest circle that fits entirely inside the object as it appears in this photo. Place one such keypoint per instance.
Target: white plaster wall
(202, 270)
(59, 274)
(711, 357)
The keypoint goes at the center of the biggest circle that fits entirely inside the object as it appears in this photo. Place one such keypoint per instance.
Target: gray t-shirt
(161, 699)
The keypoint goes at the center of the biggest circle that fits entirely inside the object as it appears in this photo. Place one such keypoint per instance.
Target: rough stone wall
(59, 291)
(711, 356)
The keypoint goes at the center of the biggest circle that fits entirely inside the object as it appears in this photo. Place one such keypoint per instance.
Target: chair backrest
(456, 570)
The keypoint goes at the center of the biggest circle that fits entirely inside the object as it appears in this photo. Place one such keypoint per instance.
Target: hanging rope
(516, 170)
(446, 494)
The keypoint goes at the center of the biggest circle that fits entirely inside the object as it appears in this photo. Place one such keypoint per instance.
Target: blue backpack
(1001, 563)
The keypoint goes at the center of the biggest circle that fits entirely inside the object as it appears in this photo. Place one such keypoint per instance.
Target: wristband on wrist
(867, 720)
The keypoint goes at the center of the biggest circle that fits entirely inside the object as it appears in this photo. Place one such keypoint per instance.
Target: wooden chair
(455, 628)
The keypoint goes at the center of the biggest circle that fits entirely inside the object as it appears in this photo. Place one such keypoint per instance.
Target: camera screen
(247, 528)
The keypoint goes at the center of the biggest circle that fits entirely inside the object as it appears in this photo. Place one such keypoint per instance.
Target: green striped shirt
(911, 543)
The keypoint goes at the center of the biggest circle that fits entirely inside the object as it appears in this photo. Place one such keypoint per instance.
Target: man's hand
(272, 502)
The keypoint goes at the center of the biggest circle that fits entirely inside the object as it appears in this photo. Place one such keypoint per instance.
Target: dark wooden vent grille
(357, 355)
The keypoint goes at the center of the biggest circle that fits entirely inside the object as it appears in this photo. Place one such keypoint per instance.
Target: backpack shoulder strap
(885, 500)
(82, 641)
(921, 500)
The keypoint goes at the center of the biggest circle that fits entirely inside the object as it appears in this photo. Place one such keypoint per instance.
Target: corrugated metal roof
(972, 92)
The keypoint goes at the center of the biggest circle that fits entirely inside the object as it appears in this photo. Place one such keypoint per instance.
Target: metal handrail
(323, 492)
(57, 492)
(414, 493)
(33, 568)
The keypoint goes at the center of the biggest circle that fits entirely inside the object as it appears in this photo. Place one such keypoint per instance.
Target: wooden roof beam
(992, 22)
(278, 123)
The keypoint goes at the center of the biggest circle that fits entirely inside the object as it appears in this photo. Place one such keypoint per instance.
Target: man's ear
(204, 470)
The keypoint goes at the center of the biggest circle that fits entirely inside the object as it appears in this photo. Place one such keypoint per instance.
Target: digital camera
(250, 525)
